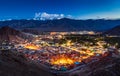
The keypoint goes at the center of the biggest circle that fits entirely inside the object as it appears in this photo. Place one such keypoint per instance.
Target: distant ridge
(64, 24)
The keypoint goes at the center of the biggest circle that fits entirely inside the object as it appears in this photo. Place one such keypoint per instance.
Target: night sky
(80, 9)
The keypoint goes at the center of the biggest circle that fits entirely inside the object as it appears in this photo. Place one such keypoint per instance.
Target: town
(57, 54)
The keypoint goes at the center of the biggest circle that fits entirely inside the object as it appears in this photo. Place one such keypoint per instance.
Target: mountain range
(11, 34)
(63, 24)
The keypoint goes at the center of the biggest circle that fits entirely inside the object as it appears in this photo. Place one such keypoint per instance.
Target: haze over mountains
(63, 24)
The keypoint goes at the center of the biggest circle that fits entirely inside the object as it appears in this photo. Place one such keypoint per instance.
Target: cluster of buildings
(6, 45)
(62, 57)
(79, 32)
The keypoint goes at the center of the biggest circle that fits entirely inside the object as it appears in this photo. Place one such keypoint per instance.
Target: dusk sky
(79, 9)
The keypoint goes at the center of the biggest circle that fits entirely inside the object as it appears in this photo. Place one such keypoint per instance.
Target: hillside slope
(15, 64)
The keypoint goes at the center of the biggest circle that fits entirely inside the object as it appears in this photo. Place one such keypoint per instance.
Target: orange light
(32, 47)
(62, 60)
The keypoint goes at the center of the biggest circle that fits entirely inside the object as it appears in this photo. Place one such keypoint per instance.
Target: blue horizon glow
(79, 9)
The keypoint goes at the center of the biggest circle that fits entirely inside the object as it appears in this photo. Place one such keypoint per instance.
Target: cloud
(47, 16)
(102, 15)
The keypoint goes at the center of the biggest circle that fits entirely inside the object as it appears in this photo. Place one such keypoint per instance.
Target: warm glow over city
(32, 47)
(62, 60)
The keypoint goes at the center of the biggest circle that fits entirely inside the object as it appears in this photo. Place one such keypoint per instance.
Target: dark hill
(113, 31)
(15, 64)
(9, 34)
(6, 30)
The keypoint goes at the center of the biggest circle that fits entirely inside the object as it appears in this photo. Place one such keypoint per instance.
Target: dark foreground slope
(105, 67)
(14, 64)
